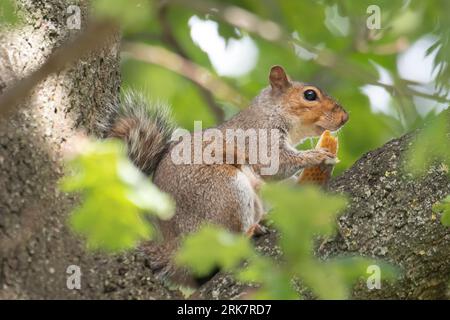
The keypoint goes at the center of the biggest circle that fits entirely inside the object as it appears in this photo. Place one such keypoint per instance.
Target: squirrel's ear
(278, 78)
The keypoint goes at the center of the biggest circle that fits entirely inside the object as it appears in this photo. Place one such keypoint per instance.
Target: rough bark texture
(36, 246)
(389, 217)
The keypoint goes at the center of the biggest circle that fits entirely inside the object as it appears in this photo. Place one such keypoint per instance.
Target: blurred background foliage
(112, 218)
(208, 59)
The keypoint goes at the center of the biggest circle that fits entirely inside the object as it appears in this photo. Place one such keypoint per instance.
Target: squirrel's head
(308, 109)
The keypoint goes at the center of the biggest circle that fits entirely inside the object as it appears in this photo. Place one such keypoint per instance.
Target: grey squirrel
(223, 194)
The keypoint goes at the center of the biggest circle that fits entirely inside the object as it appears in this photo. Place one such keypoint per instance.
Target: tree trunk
(36, 247)
(390, 218)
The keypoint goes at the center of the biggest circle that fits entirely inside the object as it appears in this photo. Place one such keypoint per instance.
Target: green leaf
(115, 194)
(300, 214)
(339, 274)
(133, 15)
(444, 208)
(213, 247)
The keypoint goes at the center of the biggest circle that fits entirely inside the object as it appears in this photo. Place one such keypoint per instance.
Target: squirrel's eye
(310, 95)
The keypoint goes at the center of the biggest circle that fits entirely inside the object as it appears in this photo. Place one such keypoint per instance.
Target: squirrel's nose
(344, 118)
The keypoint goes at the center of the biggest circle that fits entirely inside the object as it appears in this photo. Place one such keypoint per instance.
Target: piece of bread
(321, 174)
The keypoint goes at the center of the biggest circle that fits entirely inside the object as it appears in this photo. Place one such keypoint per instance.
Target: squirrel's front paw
(319, 157)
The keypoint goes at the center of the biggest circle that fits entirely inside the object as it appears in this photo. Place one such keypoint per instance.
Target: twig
(174, 62)
(94, 36)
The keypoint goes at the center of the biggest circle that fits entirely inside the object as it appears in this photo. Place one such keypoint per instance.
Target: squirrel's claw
(256, 230)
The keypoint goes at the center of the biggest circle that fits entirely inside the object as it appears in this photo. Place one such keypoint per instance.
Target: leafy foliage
(298, 226)
(219, 248)
(115, 197)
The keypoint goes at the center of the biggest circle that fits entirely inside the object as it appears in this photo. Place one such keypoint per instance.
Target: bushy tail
(145, 128)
